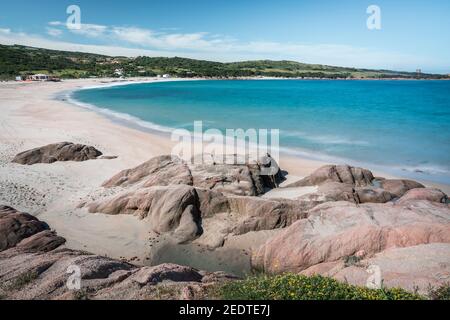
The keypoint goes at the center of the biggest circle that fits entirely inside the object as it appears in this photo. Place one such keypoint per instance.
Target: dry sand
(31, 116)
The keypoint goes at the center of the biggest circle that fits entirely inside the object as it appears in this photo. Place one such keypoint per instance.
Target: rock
(373, 195)
(417, 267)
(398, 187)
(16, 226)
(429, 194)
(229, 178)
(337, 173)
(166, 271)
(64, 151)
(212, 202)
(162, 171)
(38, 269)
(43, 241)
(336, 191)
(335, 230)
(270, 172)
(167, 208)
(108, 157)
(263, 214)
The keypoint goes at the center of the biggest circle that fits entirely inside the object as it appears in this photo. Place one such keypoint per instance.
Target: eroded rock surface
(335, 230)
(167, 208)
(37, 268)
(64, 151)
(158, 171)
(337, 173)
(16, 226)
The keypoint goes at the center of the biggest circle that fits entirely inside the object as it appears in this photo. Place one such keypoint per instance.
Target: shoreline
(287, 153)
(291, 158)
(31, 118)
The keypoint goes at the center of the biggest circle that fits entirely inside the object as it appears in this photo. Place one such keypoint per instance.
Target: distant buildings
(118, 72)
(38, 77)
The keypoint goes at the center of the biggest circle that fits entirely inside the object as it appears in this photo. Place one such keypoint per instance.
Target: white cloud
(54, 32)
(90, 30)
(132, 41)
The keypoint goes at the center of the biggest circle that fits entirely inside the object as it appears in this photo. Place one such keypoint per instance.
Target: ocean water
(400, 127)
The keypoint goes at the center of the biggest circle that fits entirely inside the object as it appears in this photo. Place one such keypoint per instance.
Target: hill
(21, 60)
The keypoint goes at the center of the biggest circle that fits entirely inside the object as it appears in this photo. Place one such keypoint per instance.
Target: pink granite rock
(335, 230)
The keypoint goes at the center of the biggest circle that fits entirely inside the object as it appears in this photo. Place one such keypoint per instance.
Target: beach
(32, 115)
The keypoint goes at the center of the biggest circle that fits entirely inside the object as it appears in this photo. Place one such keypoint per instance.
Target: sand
(31, 116)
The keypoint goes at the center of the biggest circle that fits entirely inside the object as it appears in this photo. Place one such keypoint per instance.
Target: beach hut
(39, 77)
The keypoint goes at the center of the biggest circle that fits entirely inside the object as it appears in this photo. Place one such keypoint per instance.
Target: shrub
(441, 293)
(299, 287)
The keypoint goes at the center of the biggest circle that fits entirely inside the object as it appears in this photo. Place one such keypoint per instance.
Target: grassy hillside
(20, 60)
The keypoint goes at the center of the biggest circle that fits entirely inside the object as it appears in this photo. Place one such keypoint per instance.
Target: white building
(118, 72)
(166, 76)
(39, 77)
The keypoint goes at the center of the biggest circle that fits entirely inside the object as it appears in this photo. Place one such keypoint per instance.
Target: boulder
(37, 268)
(429, 194)
(263, 214)
(212, 202)
(16, 226)
(230, 177)
(162, 171)
(373, 195)
(227, 179)
(335, 230)
(354, 176)
(398, 187)
(167, 208)
(41, 242)
(336, 191)
(412, 268)
(64, 151)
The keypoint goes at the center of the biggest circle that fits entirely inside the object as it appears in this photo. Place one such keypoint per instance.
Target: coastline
(297, 165)
(32, 117)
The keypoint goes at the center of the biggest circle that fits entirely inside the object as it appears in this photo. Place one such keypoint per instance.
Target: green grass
(441, 293)
(20, 281)
(298, 287)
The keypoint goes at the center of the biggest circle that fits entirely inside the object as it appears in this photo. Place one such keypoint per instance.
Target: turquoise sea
(400, 127)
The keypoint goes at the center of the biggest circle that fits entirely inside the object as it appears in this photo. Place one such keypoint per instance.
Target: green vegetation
(20, 281)
(441, 293)
(298, 287)
(20, 60)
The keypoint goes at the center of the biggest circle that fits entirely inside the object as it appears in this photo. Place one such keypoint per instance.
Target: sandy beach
(31, 116)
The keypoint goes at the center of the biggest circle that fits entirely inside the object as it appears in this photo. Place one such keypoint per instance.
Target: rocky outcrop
(344, 183)
(336, 230)
(412, 268)
(262, 214)
(398, 187)
(64, 151)
(16, 226)
(229, 178)
(158, 171)
(172, 208)
(429, 194)
(37, 268)
(358, 177)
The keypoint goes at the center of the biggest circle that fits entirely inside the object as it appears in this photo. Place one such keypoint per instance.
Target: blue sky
(413, 34)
